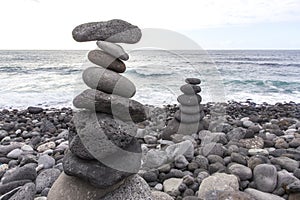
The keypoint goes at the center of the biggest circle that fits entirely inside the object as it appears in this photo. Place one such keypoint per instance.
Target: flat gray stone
(72, 188)
(189, 100)
(286, 163)
(258, 195)
(189, 118)
(102, 137)
(106, 61)
(115, 30)
(120, 107)
(114, 50)
(108, 81)
(190, 109)
(265, 177)
(94, 172)
(190, 89)
(193, 81)
(27, 172)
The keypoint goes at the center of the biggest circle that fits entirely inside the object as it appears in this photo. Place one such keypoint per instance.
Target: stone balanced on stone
(104, 156)
(188, 119)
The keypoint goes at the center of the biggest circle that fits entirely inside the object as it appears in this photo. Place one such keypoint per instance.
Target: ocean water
(53, 78)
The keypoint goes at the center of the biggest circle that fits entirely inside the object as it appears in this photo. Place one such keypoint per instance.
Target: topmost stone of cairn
(116, 31)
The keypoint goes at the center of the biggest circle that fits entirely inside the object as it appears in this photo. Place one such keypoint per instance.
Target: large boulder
(218, 181)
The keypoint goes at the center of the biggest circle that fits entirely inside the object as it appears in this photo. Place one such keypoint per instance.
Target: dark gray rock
(5, 149)
(101, 136)
(46, 178)
(25, 192)
(243, 172)
(114, 50)
(105, 60)
(284, 178)
(286, 163)
(94, 172)
(47, 126)
(265, 177)
(35, 110)
(193, 81)
(257, 160)
(189, 100)
(4, 188)
(27, 172)
(216, 167)
(115, 30)
(188, 118)
(108, 81)
(191, 109)
(236, 133)
(190, 89)
(150, 176)
(238, 158)
(120, 107)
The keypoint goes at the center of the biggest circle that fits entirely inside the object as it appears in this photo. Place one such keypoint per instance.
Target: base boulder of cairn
(104, 156)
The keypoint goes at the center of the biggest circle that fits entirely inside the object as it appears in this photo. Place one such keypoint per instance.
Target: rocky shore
(246, 151)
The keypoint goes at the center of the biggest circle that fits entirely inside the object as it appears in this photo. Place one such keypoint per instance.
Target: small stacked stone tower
(188, 119)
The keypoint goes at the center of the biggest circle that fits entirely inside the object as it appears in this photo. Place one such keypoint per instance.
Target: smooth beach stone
(193, 81)
(72, 188)
(188, 118)
(191, 109)
(27, 172)
(218, 181)
(115, 30)
(258, 195)
(108, 81)
(103, 136)
(4, 188)
(106, 61)
(265, 177)
(243, 172)
(120, 107)
(190, 89)
(93, 172)
(189, 100)
(114, 50)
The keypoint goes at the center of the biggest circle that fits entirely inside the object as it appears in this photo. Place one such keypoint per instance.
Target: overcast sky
(213, 24)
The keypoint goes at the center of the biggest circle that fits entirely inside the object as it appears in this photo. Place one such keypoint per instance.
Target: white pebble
(46, 146)
(27, 148)
(159, 187)
(18, 131)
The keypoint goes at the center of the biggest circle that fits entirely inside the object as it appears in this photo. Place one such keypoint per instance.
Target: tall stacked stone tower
(104, 154)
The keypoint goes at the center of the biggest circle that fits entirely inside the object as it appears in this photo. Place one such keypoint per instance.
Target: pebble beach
(255, 152)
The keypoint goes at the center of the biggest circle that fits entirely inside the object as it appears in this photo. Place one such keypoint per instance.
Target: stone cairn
(188, 119)
(104, 154)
